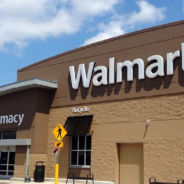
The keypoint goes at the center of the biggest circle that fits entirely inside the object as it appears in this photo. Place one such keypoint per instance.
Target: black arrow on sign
(58, 144)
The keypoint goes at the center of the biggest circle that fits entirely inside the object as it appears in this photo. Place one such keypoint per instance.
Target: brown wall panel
(142, 44)
(132, 40)
(35, 105)
(139, 130)
(40, 134)
(41, 122)
(64, 158)
(20, 156)
(23, 102)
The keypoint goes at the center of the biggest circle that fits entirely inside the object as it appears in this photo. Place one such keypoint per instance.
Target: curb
(62, 180)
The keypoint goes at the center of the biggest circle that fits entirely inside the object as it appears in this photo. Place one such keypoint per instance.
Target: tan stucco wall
(163, 159)
(125, 122)
(20, 160)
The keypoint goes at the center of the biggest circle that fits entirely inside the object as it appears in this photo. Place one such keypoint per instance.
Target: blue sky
(33, 30)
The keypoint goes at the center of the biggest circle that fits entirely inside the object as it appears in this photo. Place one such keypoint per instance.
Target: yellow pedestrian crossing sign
(59, 132)
(58, 144)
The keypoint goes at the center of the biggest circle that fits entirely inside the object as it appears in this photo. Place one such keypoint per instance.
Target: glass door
(7, 159)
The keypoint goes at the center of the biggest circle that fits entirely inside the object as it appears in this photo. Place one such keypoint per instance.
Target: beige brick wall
(103, 159)
(125, 122)
(163, 159)
(19, 170)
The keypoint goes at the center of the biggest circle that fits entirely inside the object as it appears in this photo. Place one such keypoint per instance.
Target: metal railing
(153, 181)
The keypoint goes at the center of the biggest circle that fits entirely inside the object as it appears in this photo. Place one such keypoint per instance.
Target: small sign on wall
(80, 110)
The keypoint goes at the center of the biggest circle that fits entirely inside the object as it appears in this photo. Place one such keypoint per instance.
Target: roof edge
(27, 84)
(104, 41)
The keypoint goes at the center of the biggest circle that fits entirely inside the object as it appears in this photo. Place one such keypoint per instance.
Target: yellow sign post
(59, 132)
(58, 144)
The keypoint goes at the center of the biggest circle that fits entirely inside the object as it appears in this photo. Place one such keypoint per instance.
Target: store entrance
(7, 160)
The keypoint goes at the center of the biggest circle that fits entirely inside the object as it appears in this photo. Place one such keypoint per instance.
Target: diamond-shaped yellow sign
(59, 132)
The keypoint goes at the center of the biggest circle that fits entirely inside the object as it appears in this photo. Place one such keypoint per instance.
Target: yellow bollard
(56, 173)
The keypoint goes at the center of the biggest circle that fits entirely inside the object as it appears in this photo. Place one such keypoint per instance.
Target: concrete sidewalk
(51, 181)
(21, 180)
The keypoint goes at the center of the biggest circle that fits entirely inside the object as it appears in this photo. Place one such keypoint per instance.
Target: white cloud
(26, 20)
(147, 13)
(23, 20)
(107, 31)
(93, 7)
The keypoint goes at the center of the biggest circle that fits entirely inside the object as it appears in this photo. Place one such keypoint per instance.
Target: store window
(7, 134)
(81, 151)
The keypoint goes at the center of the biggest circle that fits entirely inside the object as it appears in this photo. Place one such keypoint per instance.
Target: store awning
(15, 142)
(78, 125)
(27, 84)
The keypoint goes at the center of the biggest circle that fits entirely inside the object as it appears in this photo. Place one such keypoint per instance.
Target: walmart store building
(121, 101)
